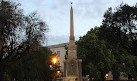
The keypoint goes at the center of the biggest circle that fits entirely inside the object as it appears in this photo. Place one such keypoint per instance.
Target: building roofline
(57, 45)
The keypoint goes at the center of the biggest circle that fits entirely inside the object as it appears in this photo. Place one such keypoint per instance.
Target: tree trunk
(102, 77)
(1, 73)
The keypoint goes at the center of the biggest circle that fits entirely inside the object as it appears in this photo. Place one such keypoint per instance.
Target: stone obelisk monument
(72, 65)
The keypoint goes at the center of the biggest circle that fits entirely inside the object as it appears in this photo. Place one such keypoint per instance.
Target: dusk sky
(56, 13)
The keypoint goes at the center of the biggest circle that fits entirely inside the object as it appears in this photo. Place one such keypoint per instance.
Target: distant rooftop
(58, 45)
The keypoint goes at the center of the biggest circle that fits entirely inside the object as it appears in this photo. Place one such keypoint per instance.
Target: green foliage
(112, 46)
(119, 28)
(119, 31)
(34, 66)
(97, 58)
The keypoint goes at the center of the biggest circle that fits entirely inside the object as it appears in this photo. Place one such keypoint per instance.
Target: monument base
(71, 79)
(72, 70)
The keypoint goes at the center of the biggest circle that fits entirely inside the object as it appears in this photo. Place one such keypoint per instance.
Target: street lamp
(58, 71)
(54, 60)
(59, 74)
(106, 76)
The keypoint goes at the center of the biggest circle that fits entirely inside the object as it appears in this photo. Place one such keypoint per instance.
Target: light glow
(106, 75)
(54, 60)
(58, 71)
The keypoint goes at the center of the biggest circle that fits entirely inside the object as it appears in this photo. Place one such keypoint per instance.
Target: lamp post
(54, 61)
(106, 76)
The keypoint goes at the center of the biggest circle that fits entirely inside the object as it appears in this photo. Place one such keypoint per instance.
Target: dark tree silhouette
(119, 30)
(18, 33)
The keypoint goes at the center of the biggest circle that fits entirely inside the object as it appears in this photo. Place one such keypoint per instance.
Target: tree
(18, 33)
(34, 66)
(97, 58)
(118, 29)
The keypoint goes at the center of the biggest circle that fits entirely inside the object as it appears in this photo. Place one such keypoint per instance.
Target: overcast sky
(56, 13)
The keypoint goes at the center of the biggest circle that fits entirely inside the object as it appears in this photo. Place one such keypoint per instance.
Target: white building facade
(60, 50)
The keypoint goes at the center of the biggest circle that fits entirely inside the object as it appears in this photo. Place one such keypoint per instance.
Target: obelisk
(72, 38)
(72, 46)
(72, 65)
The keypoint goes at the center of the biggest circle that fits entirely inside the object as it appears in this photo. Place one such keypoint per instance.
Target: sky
(56, 13)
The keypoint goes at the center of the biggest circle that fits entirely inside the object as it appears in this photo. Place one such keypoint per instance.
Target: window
(58, 53)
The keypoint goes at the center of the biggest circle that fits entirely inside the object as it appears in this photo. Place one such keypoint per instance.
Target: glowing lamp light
(50, 66)
(58, 71)
(54, 60)
(106, 75)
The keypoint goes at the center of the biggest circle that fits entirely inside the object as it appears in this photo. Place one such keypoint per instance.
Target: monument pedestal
(69, 79)
(72, 70)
